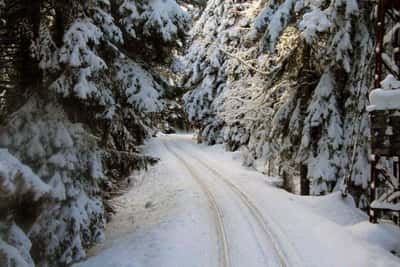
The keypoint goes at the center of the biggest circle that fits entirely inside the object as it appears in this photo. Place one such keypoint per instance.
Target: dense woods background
(287, 82)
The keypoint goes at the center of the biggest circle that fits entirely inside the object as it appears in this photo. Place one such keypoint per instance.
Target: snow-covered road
(249, 236)
(200, 207)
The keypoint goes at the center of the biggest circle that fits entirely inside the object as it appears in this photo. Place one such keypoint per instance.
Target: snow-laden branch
(245, 63)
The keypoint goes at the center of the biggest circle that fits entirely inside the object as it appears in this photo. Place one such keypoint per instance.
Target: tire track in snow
(224, 258)
(259, 218)
(254, 225)
(256, 215)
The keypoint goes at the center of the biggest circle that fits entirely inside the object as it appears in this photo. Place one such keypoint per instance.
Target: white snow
(14, 246)
(324, 166)
(76, 51)
(18, 179)
(166, 220)
(385, 206)
(165, 16)
(314, 22)
(279, 21)
(139, 86)
(51, 159)
(106, 22)
(387, 97)
(128, 10)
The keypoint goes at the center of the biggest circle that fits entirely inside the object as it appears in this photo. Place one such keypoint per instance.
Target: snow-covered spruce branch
(245, 63)
(257, 103)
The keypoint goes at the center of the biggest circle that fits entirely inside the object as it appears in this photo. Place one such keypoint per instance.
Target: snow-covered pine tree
(304, 75)
(70, 215)
(76, 104)
(151, 26)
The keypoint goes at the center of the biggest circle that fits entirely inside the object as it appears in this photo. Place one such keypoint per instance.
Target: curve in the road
(224, 258)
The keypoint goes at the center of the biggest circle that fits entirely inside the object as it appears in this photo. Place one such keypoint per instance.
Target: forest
(115, 113)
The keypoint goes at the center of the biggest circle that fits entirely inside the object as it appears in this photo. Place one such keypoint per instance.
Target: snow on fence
(384, 111)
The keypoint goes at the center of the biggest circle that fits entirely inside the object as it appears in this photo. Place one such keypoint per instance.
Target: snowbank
(384, 235)
(326, 230)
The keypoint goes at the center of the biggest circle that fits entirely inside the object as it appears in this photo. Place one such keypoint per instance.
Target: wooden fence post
(372, 189)
(304, 182)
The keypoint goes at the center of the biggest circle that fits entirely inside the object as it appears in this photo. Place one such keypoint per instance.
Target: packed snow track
(217, 214)
(199, 207)
(254, 221)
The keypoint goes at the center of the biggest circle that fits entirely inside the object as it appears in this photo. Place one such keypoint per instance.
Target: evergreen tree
(78, 94)
(303, 68)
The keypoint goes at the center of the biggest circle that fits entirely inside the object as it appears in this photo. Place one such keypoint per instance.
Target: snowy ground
(200, 207)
